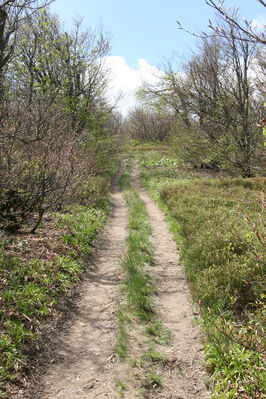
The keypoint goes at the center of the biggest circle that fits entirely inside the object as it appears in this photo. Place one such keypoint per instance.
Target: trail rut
(85, 369)
(186, 379)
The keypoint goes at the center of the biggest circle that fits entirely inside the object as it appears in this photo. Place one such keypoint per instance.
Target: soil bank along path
(88, 367)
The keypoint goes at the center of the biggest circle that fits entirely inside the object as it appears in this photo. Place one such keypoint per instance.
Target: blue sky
(146, 29)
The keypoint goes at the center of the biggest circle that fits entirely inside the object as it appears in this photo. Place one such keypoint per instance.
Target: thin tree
(12, 14)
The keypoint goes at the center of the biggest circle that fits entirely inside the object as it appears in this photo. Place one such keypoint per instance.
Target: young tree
(168, 96)
(55, 131)
(12, 14)
(224, 94)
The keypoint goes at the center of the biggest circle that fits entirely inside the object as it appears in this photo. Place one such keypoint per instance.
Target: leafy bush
(37, 164)
(164, 161)
(94, 192)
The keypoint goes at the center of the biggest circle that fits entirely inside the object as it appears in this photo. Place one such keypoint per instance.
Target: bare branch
(249, 34)
(247, 30)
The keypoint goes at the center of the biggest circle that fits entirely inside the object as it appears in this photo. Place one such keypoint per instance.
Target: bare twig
(249, 34)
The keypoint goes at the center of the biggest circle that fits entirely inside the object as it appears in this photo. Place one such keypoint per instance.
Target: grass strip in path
(138, 311)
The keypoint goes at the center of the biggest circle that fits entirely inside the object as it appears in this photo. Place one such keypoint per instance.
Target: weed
(140, 252)
(153, 381)
(158, 332)
(160, 162)
(122, 388)
(83, 225)
(153, 356)
(121, 347)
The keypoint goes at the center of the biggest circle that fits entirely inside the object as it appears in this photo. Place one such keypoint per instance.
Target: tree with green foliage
(13, 13)
(55, 118)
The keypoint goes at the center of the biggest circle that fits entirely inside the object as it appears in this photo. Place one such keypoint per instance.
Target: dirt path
(84, 365)
(186, 379)
(85, 369)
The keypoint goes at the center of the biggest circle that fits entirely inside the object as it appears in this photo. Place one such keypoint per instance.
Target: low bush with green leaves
(221, 225)
(83, 225)
(29, 293)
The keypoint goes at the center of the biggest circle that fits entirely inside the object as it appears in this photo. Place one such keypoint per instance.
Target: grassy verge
(218, 225)
(139, 308)
(37, 269)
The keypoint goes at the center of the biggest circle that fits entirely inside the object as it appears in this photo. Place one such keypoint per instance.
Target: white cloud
(124, 81)
(259, 23)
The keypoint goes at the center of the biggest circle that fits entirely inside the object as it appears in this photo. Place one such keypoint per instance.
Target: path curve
(186, 379)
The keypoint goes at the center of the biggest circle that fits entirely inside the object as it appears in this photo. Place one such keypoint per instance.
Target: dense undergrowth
(218, 224)
(38, 269)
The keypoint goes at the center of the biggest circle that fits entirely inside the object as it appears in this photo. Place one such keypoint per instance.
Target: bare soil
(84, 365)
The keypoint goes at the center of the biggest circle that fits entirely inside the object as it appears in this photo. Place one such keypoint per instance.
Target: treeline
(57, 128)
(212, 111)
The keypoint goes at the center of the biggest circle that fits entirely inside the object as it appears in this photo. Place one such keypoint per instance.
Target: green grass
(140, 253)
(122, 388)
(158, 333)
(218, 225)
(122, 341)
(153, 380)
(124, 181)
